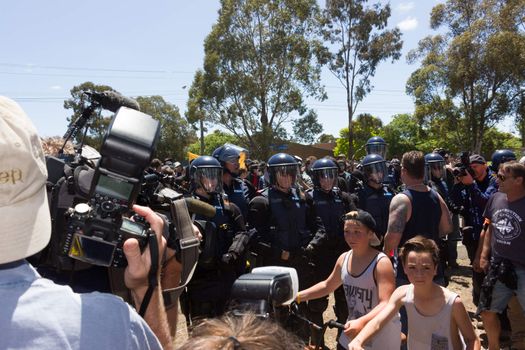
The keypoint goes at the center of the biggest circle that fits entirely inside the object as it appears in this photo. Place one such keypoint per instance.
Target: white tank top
(361, 297)
(429, 332)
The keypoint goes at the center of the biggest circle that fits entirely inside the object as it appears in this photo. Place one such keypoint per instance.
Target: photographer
(474, 184)
(37, 313)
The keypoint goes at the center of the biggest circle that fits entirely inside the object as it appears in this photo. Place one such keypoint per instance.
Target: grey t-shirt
(39, 314)
(508, 227)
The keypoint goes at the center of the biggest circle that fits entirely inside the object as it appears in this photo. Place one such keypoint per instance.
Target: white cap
(26, 223)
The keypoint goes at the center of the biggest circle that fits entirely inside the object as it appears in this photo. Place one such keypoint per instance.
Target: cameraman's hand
(466, 180)
(139, 263)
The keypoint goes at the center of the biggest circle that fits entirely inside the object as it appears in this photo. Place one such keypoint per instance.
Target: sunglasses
(501, 177)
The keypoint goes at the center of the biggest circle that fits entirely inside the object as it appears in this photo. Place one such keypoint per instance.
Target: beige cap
(26, 223)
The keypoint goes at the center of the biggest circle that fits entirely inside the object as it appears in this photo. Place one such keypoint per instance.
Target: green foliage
(261, 60)
(358, 41)
(175, 133)
(326, 138)
(365, 126)
(306, 128)
(470, 76)
(212, 141)
(98, 123)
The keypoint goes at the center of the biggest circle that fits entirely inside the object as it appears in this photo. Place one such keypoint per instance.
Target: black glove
(309, 251)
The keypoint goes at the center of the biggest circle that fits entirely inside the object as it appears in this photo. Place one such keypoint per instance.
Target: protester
(504, 244)
(436, 315)
(368, 280)
(36, 313)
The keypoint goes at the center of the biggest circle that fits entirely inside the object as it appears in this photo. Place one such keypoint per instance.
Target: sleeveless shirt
(429, 332)
(361, 297)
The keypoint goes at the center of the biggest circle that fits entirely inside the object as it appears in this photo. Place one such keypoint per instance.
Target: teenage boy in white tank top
(368, 279)
(436, 316)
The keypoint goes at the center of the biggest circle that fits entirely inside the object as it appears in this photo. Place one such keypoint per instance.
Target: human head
(282, 170)
(420, 244)
(228, 156)
(26, 222)
(511, 177)
(479, 166)
(413, 164)
(324, 174)
(374, 169)
(501, 156)
(246, 332)
(206, 173)
(376, 145)
(434, 166)
(359, 220)
(156, 164)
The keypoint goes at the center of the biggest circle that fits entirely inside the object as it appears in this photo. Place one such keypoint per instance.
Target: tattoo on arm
(397, 217)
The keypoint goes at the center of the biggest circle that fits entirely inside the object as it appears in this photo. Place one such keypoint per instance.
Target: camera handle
(152, 276)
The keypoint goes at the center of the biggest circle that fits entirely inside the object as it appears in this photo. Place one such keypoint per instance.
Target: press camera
(463, 167)
(96, 230)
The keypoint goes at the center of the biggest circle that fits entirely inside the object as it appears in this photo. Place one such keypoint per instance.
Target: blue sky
(154, 48)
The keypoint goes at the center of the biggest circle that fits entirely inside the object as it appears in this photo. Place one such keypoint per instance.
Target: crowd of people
(379, 235)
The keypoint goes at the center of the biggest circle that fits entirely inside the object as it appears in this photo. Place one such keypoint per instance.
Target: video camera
(264, 291)
(96, 231)
(463, 167)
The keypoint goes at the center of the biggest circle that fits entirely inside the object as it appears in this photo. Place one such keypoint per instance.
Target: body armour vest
(330, 207)
(288, 220)
(377, 203)
(238, 193)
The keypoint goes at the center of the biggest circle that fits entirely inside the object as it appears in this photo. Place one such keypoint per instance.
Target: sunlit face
(285, 181)
(232, 165)
(479, 170)
(356, 233)
(419, 267)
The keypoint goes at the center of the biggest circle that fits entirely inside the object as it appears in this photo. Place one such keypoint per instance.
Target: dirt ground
(460, 283)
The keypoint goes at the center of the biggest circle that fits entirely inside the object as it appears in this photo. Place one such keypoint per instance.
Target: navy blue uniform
(377, 203)
(222, 260)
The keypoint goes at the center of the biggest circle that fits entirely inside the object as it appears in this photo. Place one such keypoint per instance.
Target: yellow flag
(242, 158)
(192, 156)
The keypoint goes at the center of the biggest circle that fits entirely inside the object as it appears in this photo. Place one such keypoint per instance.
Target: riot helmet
(206, 173)
(376, 145)
(282, 170)
(434, 166)
(374, 168)
(501, 156)
(229, 153)
(324, 174)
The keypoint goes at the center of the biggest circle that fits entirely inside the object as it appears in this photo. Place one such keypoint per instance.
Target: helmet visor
(435, 170)
(376, 148)
(209, 179)
(325, 178)
(284, 176)
(375, 172)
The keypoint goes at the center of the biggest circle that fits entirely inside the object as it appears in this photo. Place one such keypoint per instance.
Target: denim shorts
(501, 294)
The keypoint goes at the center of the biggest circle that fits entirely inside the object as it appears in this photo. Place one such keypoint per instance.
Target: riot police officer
(329, 204)
(501, 156)
(376, 145)
(375, 196)
(222, 257)
(285, 224)
(234, 187)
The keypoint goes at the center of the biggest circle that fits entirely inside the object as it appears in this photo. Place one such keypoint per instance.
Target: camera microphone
(112, 100)
(199, 207)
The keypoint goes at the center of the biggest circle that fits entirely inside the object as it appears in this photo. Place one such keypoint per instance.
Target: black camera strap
(152, 277)
(189, 248)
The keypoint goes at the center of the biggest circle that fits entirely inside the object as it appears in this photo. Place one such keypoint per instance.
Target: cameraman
(472, 188)
(37, 313)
